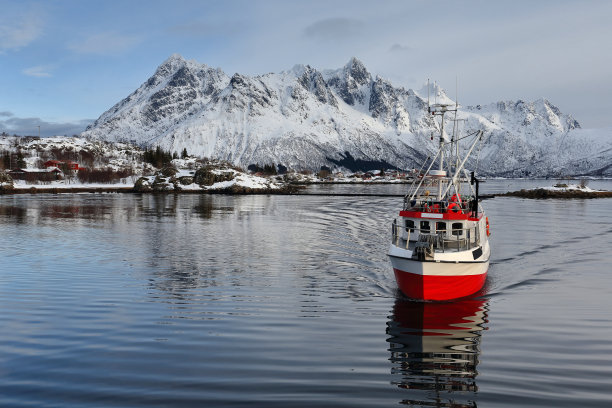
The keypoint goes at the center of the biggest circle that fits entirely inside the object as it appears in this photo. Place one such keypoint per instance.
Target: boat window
(457, 228)
(425, 226)
(410, 225)
(440, 226)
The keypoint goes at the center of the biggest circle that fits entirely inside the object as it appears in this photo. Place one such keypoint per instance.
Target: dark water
(287, 301)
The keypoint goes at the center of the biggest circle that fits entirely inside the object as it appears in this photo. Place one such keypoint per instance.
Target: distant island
(560, 190)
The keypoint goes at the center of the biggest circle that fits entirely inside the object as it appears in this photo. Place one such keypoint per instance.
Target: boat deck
(443, 245)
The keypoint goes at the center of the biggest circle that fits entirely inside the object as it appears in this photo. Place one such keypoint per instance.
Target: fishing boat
(440, 241)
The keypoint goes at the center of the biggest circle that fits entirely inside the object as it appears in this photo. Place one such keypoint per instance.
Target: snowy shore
(560, 191)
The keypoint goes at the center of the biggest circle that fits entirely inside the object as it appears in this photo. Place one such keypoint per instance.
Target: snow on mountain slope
(302, 118)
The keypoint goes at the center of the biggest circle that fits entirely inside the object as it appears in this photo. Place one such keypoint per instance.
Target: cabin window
(441, 226)
(425, 226)
(457, 228)
(409, 226)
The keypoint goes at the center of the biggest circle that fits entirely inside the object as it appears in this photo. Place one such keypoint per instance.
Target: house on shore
(31, 175)
(58, 163)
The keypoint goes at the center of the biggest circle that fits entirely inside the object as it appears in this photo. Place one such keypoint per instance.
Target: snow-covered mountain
(304, 118)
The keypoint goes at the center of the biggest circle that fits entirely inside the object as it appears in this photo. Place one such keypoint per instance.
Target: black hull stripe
(434, 261)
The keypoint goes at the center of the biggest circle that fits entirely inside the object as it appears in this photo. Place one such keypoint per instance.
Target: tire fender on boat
(454, 207)
(488, 229)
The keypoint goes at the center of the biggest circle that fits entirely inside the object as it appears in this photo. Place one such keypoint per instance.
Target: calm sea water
(290, 301)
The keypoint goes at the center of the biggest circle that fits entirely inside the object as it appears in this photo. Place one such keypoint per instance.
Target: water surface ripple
(190, 300)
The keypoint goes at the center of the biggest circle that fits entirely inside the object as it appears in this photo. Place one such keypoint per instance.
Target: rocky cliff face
(304, 118)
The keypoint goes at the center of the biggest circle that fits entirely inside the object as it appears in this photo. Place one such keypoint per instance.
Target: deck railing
(426, 204)
(451, 240)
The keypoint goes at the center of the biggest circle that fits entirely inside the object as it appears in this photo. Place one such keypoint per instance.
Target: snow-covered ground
(115, 156)
(242, 180)
(239, 179)
(62, 185)
(88, 153)
(570, 187)
(118, 156)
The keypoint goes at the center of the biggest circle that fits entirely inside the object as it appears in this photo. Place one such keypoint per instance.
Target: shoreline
(542, 193)
(289, 190)
(297, 189)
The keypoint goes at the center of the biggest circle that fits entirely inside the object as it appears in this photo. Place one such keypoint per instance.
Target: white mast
(441, 153)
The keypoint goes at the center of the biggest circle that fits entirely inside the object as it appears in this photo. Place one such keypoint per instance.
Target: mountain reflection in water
(434, 350)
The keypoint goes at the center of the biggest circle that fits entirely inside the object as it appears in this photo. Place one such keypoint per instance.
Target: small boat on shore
(440, 247)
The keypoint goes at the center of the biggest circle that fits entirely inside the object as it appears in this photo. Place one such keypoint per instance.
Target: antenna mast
(456, 125)
(428, 109)
(439, 109)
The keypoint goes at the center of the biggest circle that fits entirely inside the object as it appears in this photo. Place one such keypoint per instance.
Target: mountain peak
(176, 61)
(351, 82)
(172, 63)
(174, 58)
(356, 70)
(300, 69)
(354, 61)
(435, 92)
(168, 67)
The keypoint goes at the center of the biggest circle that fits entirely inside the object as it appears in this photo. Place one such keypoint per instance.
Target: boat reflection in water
(434, 350)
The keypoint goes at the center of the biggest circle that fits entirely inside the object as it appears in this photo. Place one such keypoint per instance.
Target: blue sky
(63, 63)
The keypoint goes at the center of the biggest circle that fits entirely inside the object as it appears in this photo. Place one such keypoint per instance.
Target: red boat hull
(438, 287)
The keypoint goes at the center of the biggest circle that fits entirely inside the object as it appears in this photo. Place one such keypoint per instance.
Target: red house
(57, 163)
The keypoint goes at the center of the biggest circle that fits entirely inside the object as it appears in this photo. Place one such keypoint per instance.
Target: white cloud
(399, 48)
(19, 30)
(29, 126)
(40, 71)
(334, 29)
(108, 43)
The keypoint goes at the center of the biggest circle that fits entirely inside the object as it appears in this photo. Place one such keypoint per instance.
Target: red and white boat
(440, 247)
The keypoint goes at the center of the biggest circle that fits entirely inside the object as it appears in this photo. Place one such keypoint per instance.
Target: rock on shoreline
(543, 193)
